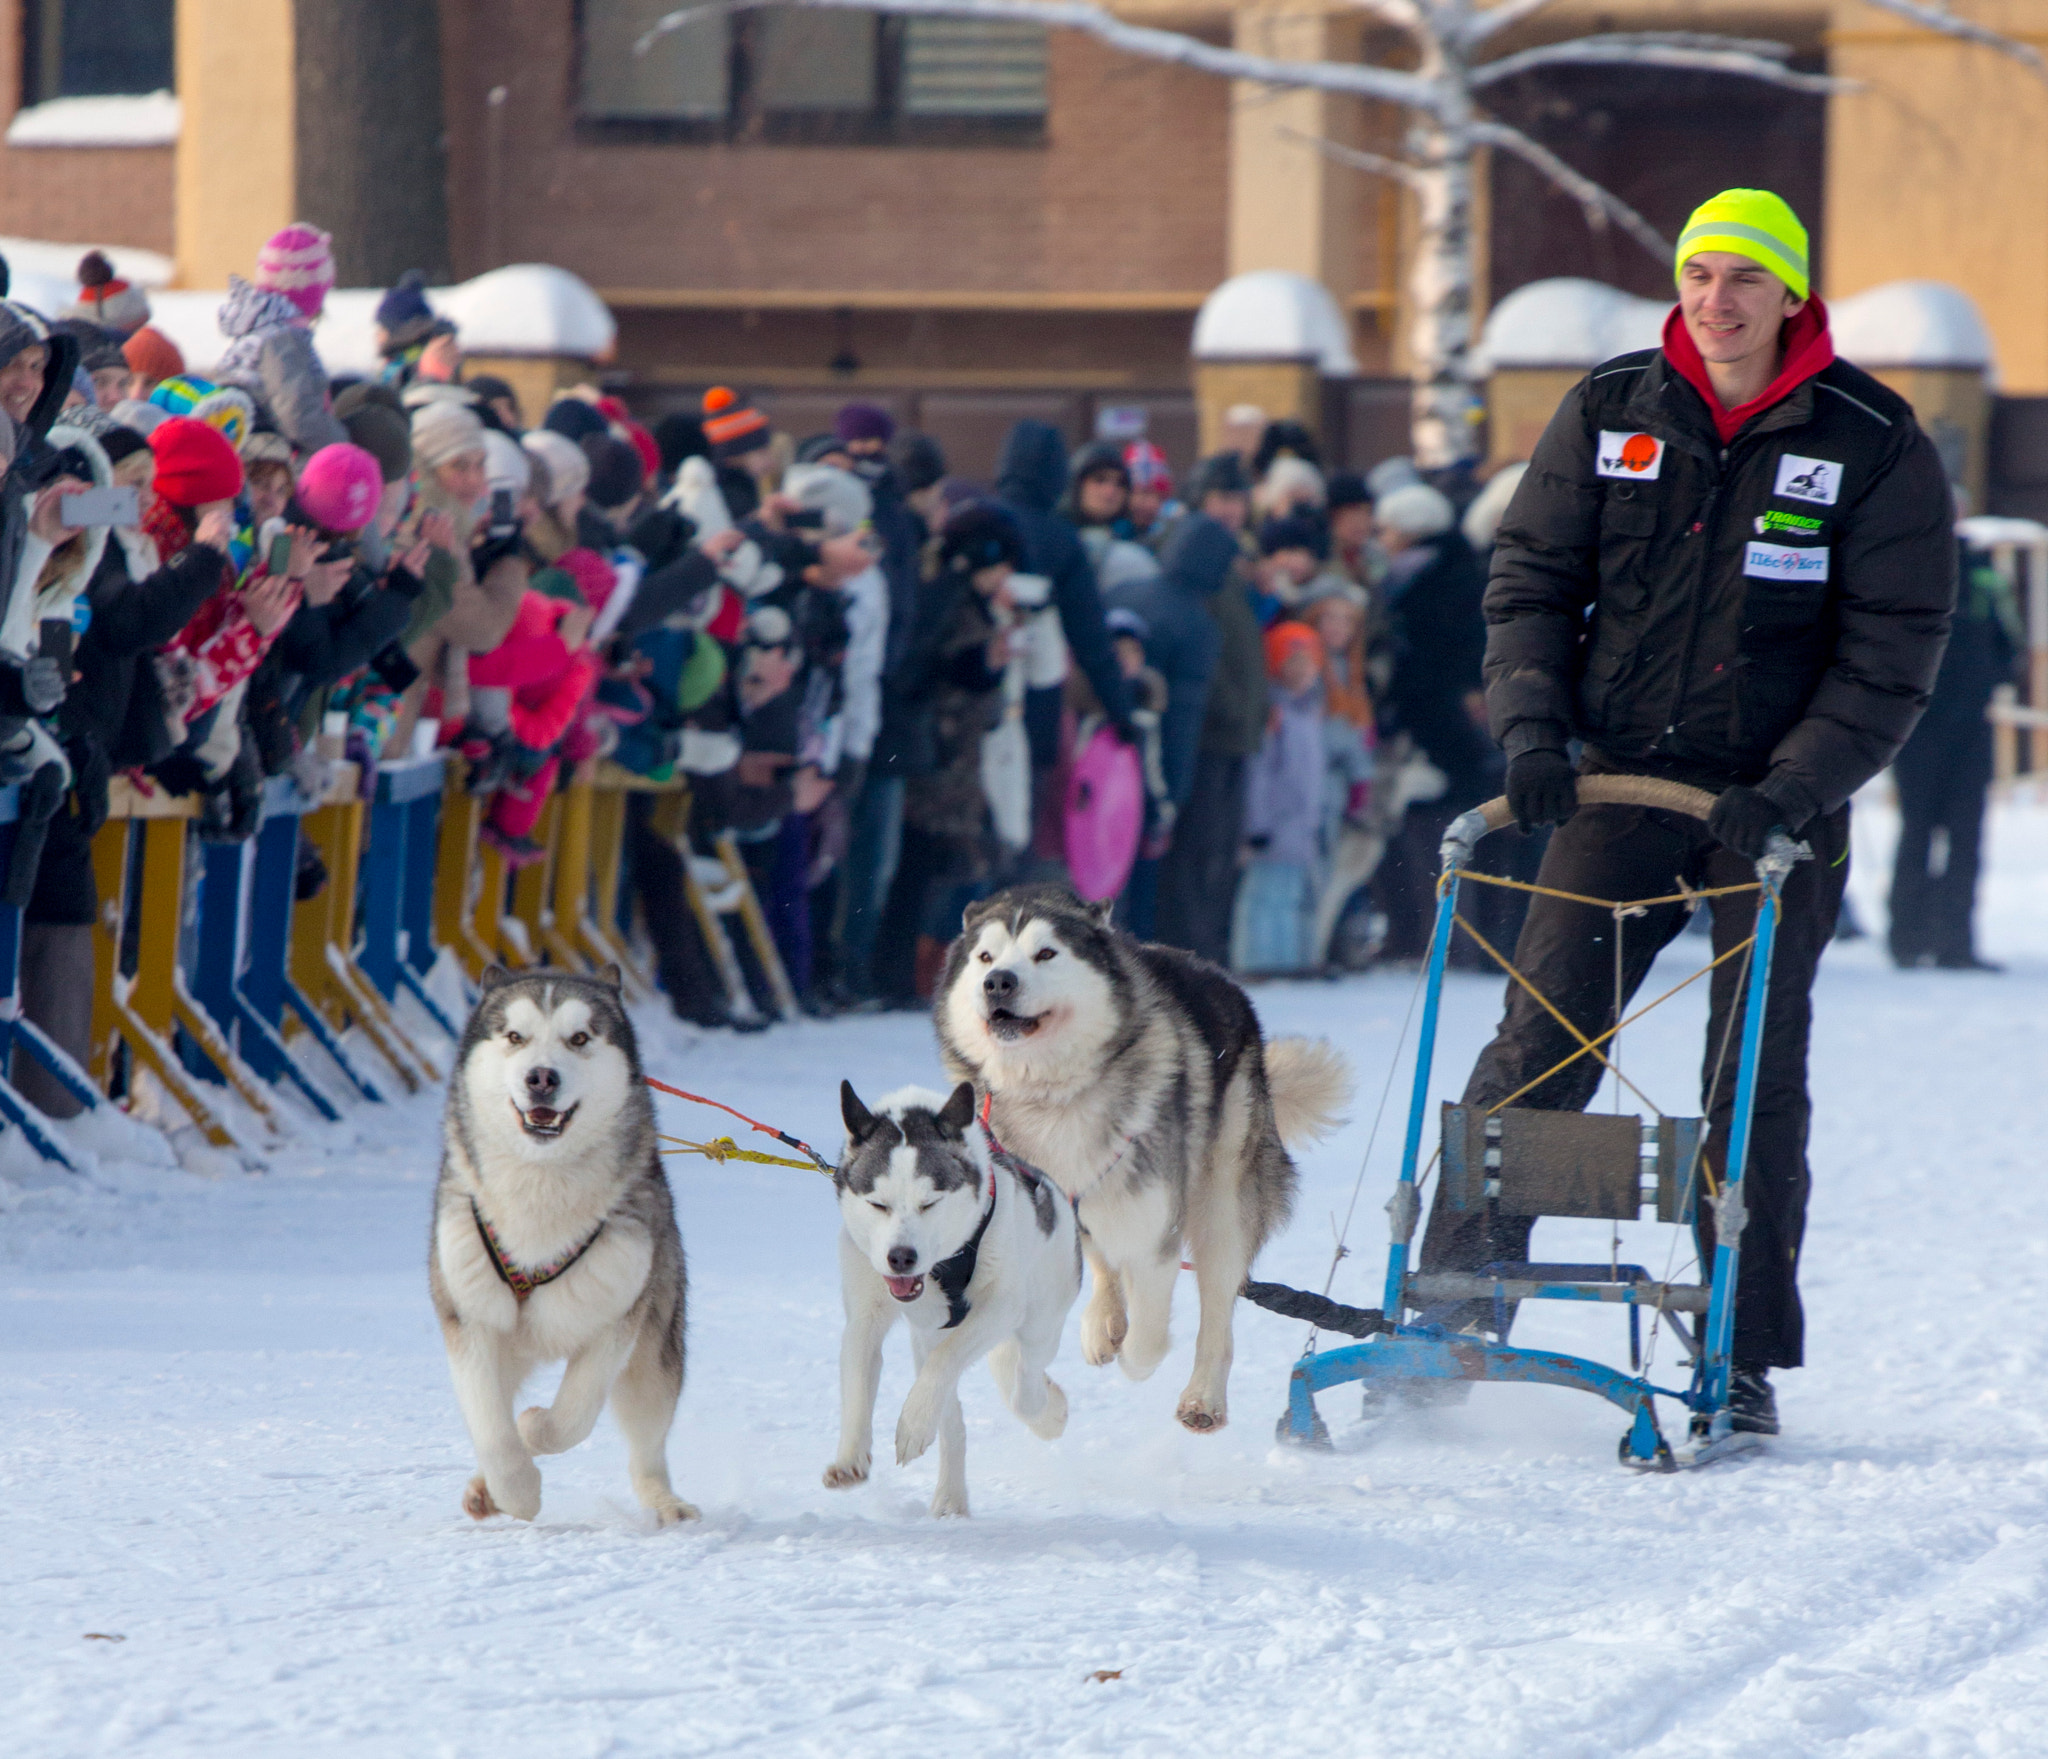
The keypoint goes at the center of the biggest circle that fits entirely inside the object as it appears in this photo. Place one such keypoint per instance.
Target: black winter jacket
(1029, 483)
(1771, 612)
(115, 699)
(1183, 640)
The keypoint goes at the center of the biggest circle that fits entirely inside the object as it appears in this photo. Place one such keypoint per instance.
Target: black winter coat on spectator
(1433, 592)
(1029, 483)
(1183, 639)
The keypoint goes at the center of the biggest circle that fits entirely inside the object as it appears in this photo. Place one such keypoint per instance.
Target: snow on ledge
(1912, 324)
(1273, 314)
(1985, 531)
(1574, 323)
(525, 308)
(147, 119)
(1567, 321)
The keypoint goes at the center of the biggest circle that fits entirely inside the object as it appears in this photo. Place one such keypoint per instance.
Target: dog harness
(955, 1273)
(521, 1279)
(1031, 1175)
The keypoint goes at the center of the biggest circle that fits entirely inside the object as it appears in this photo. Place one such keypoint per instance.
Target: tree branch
(1599, 203)
(1664, 49)
(1383, 83)
(1495, 19)
(1937, 17)
(1378, 164)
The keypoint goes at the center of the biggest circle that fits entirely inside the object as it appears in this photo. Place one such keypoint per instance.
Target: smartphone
(279, 559)
(504, 513)
(109, 506)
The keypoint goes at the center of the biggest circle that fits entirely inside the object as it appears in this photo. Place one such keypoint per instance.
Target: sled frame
(1423, 1348)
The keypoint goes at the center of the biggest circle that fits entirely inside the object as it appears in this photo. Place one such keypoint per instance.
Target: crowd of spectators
(874, 676)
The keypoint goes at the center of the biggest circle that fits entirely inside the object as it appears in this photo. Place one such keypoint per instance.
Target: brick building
(976, 220)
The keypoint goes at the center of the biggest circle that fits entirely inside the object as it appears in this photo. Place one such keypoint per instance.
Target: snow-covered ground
(232, 1464)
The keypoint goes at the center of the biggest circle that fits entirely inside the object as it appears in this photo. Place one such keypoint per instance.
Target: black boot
(1752, 1406)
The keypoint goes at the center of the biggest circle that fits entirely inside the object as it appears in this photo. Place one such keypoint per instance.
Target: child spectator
(1300, 785)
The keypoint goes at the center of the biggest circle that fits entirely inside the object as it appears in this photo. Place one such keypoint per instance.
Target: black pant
(683, 966)
(1942, 776)
(1566, 950)
(1198, 874)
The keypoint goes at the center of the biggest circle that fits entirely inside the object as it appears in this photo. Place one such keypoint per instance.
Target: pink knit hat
(340, 487)
(299, 263)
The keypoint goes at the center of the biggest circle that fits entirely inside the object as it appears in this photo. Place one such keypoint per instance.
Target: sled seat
(1527, 1162)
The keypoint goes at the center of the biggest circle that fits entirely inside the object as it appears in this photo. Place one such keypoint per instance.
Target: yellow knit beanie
(1752, 223)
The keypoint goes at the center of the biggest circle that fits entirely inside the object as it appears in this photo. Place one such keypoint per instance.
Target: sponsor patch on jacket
(1778, 520)
(1632, 457)
(1809, 479)
(1786, 562)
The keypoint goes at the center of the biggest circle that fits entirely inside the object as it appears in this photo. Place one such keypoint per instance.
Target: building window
(798, 74)
(94, 48)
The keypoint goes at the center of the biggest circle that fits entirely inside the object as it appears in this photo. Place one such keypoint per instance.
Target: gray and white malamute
(980, 1254)
(555, 1238)
(1137, 1078)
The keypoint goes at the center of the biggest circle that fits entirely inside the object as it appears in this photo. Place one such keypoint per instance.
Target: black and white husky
(555, 1238)
(1136, 1076)
(980, 1254)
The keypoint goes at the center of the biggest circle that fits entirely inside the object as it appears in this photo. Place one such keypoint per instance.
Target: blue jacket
(1029, 483)
(1183, 641)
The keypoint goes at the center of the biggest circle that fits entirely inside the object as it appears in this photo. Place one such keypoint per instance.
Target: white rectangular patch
(1809, 479)
(1632, 457)
(1785, 562)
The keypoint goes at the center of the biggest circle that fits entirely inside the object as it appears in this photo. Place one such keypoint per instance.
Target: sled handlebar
(1463, 836)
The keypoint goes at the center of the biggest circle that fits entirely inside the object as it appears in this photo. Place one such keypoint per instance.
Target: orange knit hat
(1284, 638)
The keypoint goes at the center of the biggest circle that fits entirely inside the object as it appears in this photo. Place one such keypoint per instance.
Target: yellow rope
(724, 1148)
(1686, 896)
(1586, 1044)
(1594, 1044)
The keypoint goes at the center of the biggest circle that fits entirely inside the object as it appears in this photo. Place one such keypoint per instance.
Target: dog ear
(860, 1122)
(958, 1112)
(494, 975)
(611, 976)
(1104, 914)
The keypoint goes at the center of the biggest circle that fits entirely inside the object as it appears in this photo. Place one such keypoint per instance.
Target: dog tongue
(905, 1288)
(541, 1115)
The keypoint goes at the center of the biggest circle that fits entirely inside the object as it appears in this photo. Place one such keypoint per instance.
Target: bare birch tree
(1444, 96)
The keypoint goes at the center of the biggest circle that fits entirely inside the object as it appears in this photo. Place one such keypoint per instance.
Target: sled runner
(1520, 1161)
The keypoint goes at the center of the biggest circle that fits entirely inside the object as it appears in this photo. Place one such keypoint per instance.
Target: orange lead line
(804, 1148)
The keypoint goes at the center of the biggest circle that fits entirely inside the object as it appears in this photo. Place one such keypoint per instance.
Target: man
(1730, 564)
(1943, 774)
(1198, 874)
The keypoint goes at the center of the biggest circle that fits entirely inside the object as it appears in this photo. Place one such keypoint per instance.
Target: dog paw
(1102, 1334)
(476, 1500)
(537, 1430)
(845, 1474)
(515, 1490)
(1203, 1415)
(1051, 1422)
(950, 1505)
(916, 1429)
(670, 1509)
(1141, 1354)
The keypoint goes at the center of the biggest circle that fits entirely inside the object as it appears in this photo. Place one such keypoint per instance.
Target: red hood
(1808, 349)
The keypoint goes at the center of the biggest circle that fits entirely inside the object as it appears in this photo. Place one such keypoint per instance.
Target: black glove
(488, 551)
(1126, 731)
(1743, 819)
(91, 776)
(1541, 789)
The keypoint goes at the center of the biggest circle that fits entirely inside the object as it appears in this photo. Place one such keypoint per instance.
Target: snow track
(231, 1443)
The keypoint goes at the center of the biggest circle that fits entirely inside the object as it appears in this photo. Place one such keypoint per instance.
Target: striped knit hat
(299, 263)
(732, 425)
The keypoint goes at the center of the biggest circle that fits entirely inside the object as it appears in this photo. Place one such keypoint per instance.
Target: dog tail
(1310, 1081)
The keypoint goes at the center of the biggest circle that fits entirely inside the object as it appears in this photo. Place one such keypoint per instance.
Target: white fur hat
(1416, 510)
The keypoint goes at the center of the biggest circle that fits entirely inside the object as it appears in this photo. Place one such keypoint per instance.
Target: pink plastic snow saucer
(1105, 816)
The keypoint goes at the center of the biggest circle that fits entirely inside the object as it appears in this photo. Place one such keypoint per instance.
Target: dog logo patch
(1785, 562)
(1632, 457)
(1809, 479)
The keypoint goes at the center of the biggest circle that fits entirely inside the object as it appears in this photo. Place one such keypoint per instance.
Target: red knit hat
(154, 355)
(1283, 638)
(195, 463)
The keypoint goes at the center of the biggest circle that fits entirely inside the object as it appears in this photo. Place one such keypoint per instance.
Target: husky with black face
(979, 1253)
(1137, 1077)
(555, 1239)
